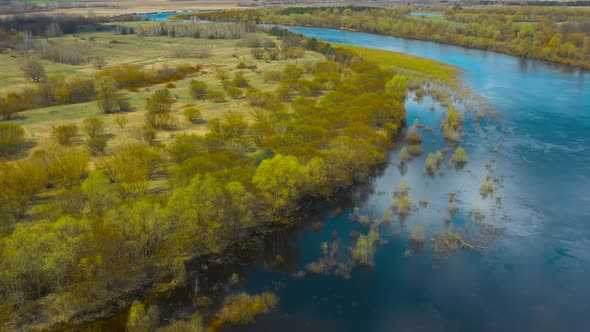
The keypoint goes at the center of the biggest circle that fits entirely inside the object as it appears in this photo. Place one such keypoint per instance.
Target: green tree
(141, 319)
(12, 139)
(99, 193)
(281, 181)
(109, 100)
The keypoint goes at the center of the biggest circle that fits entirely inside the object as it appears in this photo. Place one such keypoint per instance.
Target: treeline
(18, 31)
(193, 30)
(21, 7)
(555, 34)
(96, 231)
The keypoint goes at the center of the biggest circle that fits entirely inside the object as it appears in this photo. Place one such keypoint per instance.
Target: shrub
(404, 155)
(140, 319)
(414, 138)
(460, 156)
(121, 121)
(487, 187)
(217, 96)
(146, 133)
(96, 145)
(258, 53)
(243, 308)
(93, 127)
(365, 247)
(235, 92)
(12, 138)
(7, 109)
(293, 52)
(273, 53)
(402, 205)
(415, 150)
(250, 40)
(198, 89)
(240, 80)
(432, 163)
(192, 114)
(64, 134)
(160, 102)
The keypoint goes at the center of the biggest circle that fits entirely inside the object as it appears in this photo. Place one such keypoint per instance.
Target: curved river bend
(533, 277)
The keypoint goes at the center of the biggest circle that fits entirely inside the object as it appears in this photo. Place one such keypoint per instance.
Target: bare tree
(34, 70)
(99, 62)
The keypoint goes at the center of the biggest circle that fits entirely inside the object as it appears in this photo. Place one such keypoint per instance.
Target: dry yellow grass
(149, 52)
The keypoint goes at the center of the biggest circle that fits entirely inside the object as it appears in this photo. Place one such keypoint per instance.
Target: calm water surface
(533, 277)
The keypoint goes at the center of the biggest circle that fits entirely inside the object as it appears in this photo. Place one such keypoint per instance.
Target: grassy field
(409, 64)
(150, 52)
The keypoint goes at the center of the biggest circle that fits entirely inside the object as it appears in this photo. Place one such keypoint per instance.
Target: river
(532, 277)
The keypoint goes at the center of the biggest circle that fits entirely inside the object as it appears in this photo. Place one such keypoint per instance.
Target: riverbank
(475, 28)
(102, 277)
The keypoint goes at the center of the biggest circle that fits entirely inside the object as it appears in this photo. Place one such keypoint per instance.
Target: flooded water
(531, 277)
(534, 276)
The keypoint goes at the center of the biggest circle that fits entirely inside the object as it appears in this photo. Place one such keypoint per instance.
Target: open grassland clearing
(150, 53)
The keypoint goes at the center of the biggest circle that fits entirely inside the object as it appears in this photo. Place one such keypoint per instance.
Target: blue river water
(534, 276)
(425, 14)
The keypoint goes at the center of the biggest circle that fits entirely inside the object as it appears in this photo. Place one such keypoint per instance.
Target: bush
(365, 247)
(242, 308)
(93, 127)
(404, 155)
(460, 156)
(240, 80)
(258, 53)
(121, 121)
(146, 133)
(140, 319)
(235, 92)
(414, 138)
(273, 53)
(217, 96)
(7, 109)
(415, 150)
(198, 89)
(12, 139)
(402, 205)
(64, 134)
(96, 145)
(192, 114)
(487, 187)
(250, 40)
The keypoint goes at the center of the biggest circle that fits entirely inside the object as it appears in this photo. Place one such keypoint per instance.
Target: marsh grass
(241, 309)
